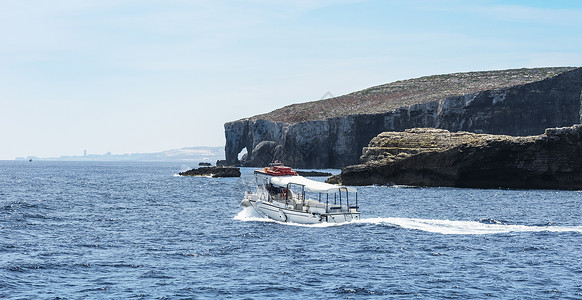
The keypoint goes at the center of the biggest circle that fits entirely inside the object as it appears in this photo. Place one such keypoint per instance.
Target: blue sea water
(84, 230)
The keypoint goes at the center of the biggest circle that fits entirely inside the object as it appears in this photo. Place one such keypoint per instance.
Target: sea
(137, 230)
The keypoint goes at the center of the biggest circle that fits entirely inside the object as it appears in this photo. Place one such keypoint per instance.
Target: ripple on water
(132, 230)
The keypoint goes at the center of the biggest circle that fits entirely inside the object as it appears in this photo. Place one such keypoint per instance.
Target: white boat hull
(284, 196)
(277, 212)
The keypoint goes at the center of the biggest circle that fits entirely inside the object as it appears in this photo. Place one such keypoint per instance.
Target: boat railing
(334, 204)
(296, 195)
(342, 204)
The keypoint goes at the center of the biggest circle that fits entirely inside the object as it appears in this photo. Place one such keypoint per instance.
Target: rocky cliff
(436, 157)
(331, 133)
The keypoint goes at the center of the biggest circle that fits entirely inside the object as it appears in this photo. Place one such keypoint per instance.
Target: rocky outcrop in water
(213, 172)
(313, 173)
(436, 157)
(334, 142)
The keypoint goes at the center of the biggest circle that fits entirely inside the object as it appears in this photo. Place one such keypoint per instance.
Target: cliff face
(334, 142)
(435, 157)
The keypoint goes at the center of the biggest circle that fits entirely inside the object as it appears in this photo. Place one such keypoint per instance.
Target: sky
(129, 76)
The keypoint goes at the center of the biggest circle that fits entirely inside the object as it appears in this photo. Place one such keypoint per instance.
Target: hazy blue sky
(143, 76)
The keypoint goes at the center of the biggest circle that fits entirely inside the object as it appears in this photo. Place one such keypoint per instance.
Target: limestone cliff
(331, 133)
(436, 157)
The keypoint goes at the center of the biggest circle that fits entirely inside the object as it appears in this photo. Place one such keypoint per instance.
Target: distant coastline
(189, 154)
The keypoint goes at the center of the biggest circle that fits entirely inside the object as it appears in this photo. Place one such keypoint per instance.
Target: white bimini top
(310, 185)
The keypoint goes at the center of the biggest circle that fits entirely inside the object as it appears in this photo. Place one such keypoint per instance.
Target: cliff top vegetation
(387, 97)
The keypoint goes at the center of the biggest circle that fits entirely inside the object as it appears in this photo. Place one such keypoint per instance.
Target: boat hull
(284, 214)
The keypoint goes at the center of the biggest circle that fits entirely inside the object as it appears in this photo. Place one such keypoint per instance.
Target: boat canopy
(310, 185)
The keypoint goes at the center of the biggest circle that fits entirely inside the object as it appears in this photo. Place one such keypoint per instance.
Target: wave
(487, 226)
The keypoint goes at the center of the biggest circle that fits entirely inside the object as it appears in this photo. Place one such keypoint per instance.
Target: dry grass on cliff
(387, 97)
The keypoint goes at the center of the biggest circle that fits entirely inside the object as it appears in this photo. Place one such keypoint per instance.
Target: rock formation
(436, 157)
(331, 133)
(313, 173)
(213, 172)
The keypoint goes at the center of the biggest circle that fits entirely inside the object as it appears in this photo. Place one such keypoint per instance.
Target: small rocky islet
(219, 171)
(313, 173)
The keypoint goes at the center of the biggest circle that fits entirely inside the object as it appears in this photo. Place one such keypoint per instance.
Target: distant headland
(187, 154)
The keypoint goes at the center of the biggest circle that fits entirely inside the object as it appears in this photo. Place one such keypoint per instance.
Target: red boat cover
(280, 171)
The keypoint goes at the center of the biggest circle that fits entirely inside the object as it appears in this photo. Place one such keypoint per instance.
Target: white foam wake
(465, 227)
(250, 214)
(428, 225)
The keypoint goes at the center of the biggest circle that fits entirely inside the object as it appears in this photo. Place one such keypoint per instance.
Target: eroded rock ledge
(436, 157)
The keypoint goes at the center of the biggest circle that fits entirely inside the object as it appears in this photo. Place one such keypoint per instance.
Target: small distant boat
(284, 196)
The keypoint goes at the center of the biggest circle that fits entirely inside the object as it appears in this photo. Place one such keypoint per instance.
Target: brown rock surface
(390, 96)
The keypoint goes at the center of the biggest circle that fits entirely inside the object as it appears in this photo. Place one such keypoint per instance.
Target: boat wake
(427, 225)
(466, 227)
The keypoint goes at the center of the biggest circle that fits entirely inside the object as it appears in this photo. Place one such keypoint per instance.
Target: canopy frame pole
(348, 199)
(287, 194)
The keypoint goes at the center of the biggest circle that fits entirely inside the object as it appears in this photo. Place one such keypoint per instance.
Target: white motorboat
(284, 196)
